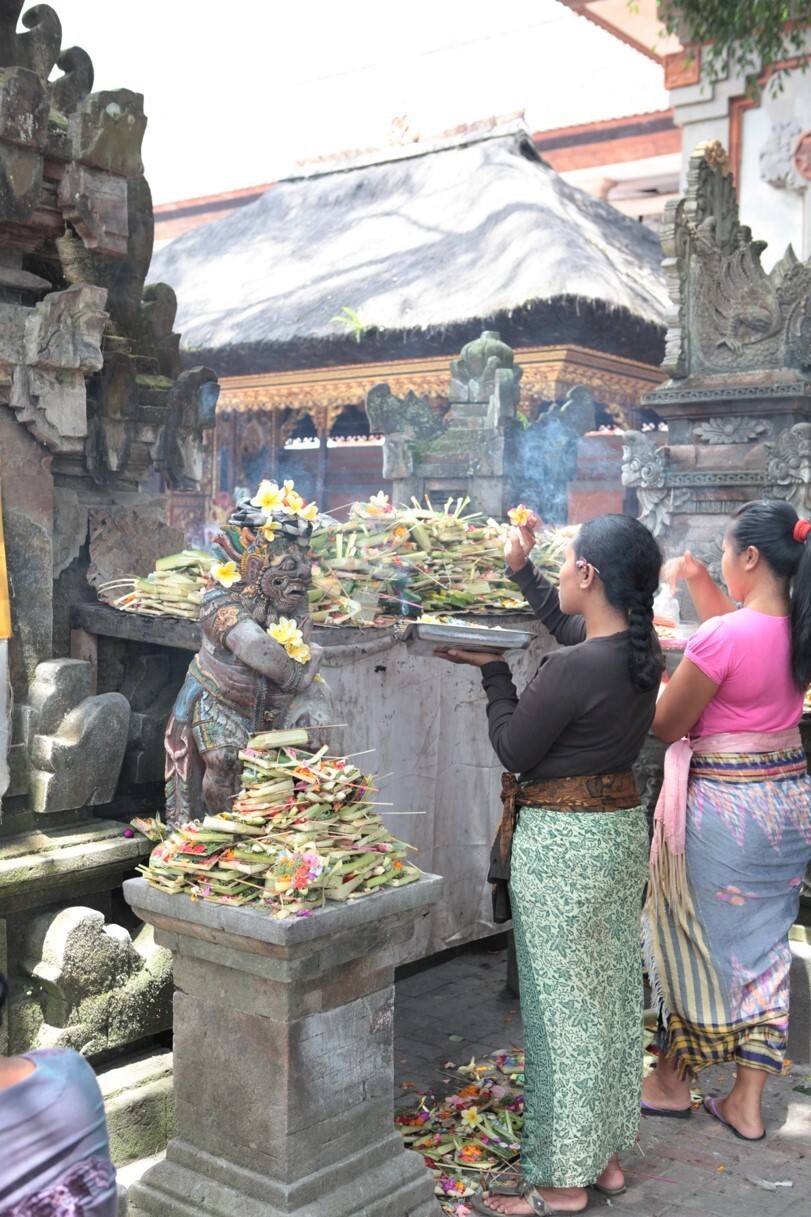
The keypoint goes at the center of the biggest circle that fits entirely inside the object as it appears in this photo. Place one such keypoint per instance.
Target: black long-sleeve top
(580, 713)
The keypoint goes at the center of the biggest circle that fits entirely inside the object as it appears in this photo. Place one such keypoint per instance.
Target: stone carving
(544, 454)
(77, 739)
(776, 166)
(789, 466)
(87, 223)
(644, 468)
(731, 430)
(484, 364)
(242, 681)
(738, 317)
(96, 987)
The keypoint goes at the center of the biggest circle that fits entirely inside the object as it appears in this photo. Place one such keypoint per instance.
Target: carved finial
(715, 154)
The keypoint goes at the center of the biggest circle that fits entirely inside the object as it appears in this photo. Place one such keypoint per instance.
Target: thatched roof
(438, 239)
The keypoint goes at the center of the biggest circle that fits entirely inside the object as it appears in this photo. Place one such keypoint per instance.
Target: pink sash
(670, 818)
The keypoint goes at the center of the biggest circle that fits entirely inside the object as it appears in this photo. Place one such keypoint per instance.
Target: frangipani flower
(269, 497)
(379, 504)
(269, 529)
(287, 634)
(470, 1117)
(293, 502)
(308, 512)
(520, 515)
(226, 573)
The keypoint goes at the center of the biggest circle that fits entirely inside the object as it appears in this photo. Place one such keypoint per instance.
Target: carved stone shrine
(737, 400)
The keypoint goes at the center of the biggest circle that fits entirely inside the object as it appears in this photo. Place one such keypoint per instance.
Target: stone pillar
(283, 1061)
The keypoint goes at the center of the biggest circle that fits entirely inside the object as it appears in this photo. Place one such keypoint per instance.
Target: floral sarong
(717, 951)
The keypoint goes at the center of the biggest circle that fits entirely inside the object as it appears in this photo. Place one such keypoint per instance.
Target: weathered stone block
(59, 686)
(106, 131)
(65, 329)
(79, 765)
(95, 203)
(284, 1102)
(139, 1103)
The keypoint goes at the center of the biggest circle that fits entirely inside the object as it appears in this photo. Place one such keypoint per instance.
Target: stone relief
(789, 466)
(731, 430)
(776, 155)
(644, 469)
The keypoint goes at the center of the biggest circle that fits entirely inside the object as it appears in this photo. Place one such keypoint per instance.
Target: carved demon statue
(242, 681)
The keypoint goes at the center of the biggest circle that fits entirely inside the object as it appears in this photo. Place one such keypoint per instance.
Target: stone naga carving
(644, 468)
(242, 681)
(738, 317)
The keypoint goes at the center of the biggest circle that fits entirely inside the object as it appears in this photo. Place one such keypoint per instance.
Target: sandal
(529, 1193)
(609, 1191)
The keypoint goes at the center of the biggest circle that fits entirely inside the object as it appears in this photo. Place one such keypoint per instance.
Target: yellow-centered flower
(310, 512)
(519, 515)
(269, 497)
(226, 573)
(288, 635)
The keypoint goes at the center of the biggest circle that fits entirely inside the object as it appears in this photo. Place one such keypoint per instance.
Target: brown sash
(589, 792)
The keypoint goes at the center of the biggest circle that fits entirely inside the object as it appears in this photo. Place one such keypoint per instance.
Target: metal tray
(424, 637)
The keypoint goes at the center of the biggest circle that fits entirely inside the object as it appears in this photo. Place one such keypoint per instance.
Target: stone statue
(242, 681)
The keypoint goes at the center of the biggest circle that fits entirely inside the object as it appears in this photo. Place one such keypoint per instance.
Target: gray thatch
(424, 238)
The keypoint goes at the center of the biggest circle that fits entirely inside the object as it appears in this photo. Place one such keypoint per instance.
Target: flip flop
(683, 1113)
(711, 1106)
(610, 1191)
(529, 1193)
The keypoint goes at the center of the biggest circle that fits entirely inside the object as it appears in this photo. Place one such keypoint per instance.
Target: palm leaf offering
(301, 831)
(173, 589)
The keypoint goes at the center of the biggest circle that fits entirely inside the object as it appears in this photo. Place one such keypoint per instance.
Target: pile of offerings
(385, 562)
(301, 831)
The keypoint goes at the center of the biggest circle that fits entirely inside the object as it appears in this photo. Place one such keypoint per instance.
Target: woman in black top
(579, 855)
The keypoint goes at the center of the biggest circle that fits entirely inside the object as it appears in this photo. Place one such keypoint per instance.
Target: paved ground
(685, 1168)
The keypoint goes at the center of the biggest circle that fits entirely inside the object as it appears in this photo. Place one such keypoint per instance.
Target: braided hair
(629, 561)
(773, 527)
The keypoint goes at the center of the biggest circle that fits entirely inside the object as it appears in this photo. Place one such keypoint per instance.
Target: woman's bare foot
(612, 1177)
(664, 1089)
(559, 1199)
(740, 1116)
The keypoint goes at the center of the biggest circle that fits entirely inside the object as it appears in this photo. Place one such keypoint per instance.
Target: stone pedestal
(283, 1061)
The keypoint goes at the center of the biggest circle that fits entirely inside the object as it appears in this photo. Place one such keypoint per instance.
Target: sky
(235, 103)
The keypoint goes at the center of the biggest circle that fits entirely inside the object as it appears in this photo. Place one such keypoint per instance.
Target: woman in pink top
(732, 834)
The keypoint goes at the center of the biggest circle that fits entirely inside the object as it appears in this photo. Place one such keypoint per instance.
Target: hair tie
(801, 530)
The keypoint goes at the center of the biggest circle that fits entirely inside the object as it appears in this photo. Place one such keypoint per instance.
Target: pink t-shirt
(748, 655)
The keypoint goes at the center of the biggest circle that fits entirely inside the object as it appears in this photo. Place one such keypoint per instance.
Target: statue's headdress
(265, 524)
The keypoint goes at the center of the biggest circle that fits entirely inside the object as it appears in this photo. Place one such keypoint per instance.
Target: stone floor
(458, 1007)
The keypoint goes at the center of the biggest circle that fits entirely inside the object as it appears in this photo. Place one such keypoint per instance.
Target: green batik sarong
(576, 890)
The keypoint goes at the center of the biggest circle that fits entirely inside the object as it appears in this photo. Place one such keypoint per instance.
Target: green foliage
(742, 35)
(352, 321)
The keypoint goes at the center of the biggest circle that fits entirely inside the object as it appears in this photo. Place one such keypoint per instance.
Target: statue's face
(286, 578)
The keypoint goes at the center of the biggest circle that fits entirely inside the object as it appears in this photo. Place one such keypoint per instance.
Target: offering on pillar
(255, 669)
(302, 830)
